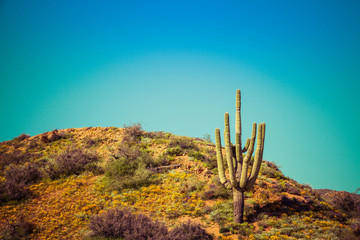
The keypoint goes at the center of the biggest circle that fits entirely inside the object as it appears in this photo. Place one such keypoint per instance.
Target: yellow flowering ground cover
(165, 199)
(61, 209)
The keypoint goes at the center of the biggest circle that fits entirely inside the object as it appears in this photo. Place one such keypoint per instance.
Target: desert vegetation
(92, 183)
(238, 165)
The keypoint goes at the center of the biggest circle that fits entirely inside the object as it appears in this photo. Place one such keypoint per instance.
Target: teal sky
(175, 66)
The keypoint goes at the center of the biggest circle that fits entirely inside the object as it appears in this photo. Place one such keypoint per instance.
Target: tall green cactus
(238, 165)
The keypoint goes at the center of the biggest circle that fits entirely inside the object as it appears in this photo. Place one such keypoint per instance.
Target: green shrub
(175, 151)
(208, 162)
(121, 174)
(129, 167)
(184, 143)
(192, 185)
(155, 135)
(91, 142)
(270, 170)
(195, 154)
(222, 212)
(243, 229)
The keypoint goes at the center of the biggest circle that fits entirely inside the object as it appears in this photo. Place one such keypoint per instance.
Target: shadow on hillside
(289, 207)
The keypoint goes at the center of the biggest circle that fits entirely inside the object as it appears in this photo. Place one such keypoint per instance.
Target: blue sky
(175, 66)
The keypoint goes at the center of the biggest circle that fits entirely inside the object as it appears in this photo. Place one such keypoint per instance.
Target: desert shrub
(349, 203)
(216, 190)
(22, 137)
(175, 151)
(134, 153)
(123, 224)
(270, 170)
(10, 190)
(133, 132)
(355, 227)
(71, 161)
(112, 223)
(32, 144)
(292, 190)
(122, 173)
(224, 230)
(277, 188)
(163, 160)
(209, 163)
(2, 191)
(189, 231)
(118, 223)
(207, 138)
(91, 142)
(16, 157)
(222, 212)
(155, 135)
(183, 142)
(20, 229)
(27, 173)
(195, 154)
(129, 167)
(94, 168)
(145, 142)
(243, 229)
(192, 185)
(88, 142)
(142, 227)
(210, 159)
(17, 180)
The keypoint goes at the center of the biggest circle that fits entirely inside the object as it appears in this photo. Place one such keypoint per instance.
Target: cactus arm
(220, 160)
(244, 177)
(228, 149)
(238, 150)
(246, 145)
(238, 127)
(258, 156)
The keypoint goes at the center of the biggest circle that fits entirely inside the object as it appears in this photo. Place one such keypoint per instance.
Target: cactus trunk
(237, 164)
(238, 198)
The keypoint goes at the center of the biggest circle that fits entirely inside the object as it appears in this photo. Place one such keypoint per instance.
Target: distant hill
(92, 183)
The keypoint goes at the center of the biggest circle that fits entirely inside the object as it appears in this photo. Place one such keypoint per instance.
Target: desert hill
(72, 183)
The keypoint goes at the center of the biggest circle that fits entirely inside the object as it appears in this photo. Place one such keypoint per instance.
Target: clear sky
(175, 66)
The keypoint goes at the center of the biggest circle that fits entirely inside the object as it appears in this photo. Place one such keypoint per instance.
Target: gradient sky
(175, 66)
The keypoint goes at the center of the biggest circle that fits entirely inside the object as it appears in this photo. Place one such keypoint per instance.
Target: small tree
(238, 165)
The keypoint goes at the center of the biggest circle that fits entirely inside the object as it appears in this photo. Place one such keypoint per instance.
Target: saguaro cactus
(238, 165)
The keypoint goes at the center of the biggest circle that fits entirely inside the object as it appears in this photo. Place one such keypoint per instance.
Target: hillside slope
(53, 184)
